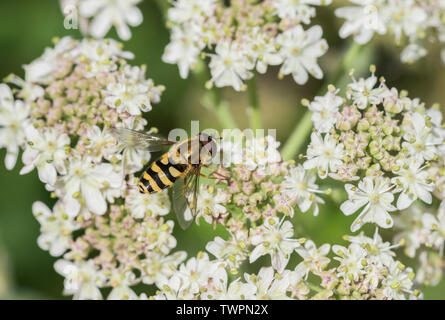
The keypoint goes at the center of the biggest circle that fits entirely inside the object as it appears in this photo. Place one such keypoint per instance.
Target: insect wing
(185, 198)
(139, 140)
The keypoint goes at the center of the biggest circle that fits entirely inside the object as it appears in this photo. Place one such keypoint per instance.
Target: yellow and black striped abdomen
(161, 174)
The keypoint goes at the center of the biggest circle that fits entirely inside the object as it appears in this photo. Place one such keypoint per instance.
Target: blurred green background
(27, 27)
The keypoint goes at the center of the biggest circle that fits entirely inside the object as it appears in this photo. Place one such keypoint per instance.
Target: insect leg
(207, 177)
(216, 172)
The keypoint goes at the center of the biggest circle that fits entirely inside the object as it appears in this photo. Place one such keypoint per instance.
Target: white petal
(100, 25)
(64, 267)
(47, 174)
(72, 206)
(133, 16)
(349, 207)
(94, 199)
(10, 159)
(259, 251)
(404, 201)
(123, 31)
(41, 209)
(58, 247)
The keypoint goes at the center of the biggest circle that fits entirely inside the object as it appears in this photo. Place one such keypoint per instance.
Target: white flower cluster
(388, 147)
(392, 144)
(96, 17)
(419, 229)
(366, 269)
(412, 23)
(110, 235)
(244, 37)
(60, 115)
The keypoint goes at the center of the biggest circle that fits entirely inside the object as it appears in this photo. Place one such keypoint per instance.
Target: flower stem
(221, 109)
(254, 104)
(314, 287)
(301, 132)
(163, 5)
(212, 98)
(298, 137)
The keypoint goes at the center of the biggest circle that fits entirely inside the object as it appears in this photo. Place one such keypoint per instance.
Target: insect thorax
(190, 152)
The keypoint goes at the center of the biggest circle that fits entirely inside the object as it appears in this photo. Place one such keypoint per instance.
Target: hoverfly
(179, 168)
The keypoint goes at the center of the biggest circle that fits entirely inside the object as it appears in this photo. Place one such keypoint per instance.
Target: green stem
(314, 287)
(253, 110)
(349, 60)
(212, 98)
(298, 136)
(301, 132)
(224, 115)
(163, 5)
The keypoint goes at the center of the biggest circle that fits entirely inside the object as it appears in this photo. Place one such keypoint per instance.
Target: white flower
(42, 69)
(412, 53)
(158, 266)
(55, 227)
(435, 224)
(274, 237)
(264, 51)
(299, 10)
(183, 49)
(269, 287)
(411, 180)
(398, 282)
(100, 55)
(197, 271)
(82, 279)
(46, 151)
(108, 13)
(408, 16)
(300, 186)
(130, 96)
(362, 21)
(378, 251)
(231, 252)
(375, 195)
(395, 102)
(28, 91)
(436, 118)
(363, 93)
(430, 271)
(157, 236)
(13, 121)
(229, 66)
(324, 111)
(175, 288)
(351, 258)
(314, 259)
(325, 154)
(191, 10)
(121, 283)
(140, 205)
(211, 202)
(236, 290)
(100, 143)
(419, 137)
(231, 149)
(300, 50)
(414, 233)
(259, 152)
(87, 181)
